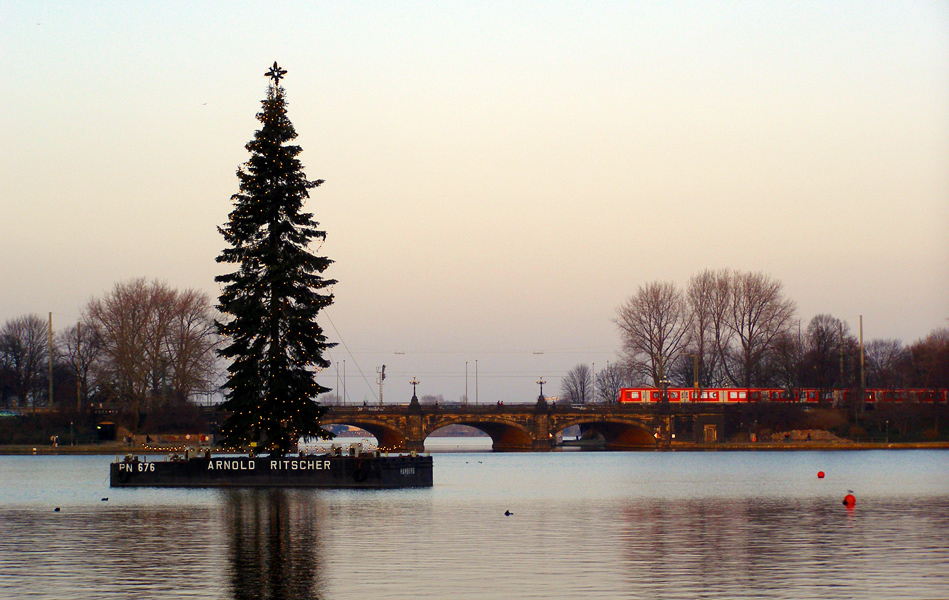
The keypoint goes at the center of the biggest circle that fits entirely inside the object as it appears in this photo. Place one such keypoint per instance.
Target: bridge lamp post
(541, 383)
(414, 406)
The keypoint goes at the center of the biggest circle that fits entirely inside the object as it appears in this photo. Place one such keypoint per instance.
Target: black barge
(318, 471)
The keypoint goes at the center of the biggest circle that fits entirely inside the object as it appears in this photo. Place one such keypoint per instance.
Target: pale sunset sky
(500, 176)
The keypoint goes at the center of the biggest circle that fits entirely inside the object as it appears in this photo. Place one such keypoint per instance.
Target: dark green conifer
(270, 303)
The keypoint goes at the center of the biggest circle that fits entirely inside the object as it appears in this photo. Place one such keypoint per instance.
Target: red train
(627, 395)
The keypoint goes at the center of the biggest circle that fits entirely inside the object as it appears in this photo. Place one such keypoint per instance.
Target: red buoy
(820, 474)
(850, 501)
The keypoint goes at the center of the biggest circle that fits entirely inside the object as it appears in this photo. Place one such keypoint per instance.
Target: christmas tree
(270, 303)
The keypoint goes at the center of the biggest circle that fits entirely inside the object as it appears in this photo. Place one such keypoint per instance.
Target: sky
(500, 176)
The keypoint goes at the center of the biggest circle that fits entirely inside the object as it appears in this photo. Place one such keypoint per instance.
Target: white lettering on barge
(141, 467)
(288, 464)
(230, 465)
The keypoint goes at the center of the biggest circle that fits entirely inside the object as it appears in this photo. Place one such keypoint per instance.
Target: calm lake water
(584, 525)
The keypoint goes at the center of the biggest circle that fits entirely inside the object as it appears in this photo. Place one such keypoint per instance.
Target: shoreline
(121, 450)
(805, 446)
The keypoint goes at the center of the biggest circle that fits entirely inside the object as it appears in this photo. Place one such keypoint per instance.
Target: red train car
(800, 395)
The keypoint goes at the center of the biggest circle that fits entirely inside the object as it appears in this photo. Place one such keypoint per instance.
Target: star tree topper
(275, 73)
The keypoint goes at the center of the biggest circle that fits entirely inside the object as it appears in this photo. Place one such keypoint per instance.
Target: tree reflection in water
(273, 544)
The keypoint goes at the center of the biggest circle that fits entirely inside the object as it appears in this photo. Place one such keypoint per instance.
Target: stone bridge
(536, 426)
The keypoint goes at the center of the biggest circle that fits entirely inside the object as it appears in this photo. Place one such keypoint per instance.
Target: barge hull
(311, 471)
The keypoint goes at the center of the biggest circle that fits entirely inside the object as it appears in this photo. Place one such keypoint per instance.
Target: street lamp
(541, 383)
(414, 405)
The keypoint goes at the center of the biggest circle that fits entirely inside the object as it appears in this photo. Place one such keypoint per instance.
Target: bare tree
(79, 348)
(739, 325)
(787, 361)
(159, 303)
(828, 351)
(24, 352)
(610, 381)
(156, 343)
(885, 363)
(121, 321)
(708, 297)
(190, 343)
(930, 360)
(655, 323)
(577, 385)
(758, 315)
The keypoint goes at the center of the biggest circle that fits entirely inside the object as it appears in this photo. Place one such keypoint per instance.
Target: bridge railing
(390, 409)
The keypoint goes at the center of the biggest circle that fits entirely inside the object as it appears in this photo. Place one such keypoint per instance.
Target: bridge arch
(389, 438)
(506, 435)
(617, 433)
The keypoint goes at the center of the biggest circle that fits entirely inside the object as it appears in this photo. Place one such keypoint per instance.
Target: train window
(674, 395)
(732, 394)
(634, 395)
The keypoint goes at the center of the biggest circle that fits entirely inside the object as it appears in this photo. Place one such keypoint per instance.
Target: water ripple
(590, 525)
